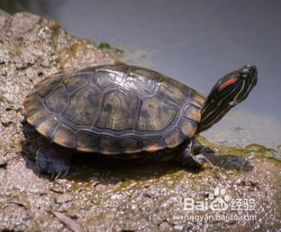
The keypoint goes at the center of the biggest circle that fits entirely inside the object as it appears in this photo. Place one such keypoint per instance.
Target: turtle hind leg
(50, 158)
(55, 163)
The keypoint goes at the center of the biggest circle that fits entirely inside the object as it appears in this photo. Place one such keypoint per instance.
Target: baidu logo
(218, 200)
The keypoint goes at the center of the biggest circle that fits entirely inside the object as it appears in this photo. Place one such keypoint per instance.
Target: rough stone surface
(101, 195)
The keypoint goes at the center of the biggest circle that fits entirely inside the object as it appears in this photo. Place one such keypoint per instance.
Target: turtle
(126, 111)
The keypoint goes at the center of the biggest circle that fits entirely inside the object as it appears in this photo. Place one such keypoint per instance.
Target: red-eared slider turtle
(127, 111)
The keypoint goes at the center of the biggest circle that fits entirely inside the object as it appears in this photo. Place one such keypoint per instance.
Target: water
(195, 42)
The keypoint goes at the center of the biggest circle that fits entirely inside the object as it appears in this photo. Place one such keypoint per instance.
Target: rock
(240, 191)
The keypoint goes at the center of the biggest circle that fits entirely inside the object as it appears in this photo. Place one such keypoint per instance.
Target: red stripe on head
(227, 83)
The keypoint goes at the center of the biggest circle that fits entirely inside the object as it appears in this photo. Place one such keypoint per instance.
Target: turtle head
(230, 90)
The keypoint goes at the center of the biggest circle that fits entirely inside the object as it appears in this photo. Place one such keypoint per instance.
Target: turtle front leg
(188, 158)
(55, 163)
(198, 148)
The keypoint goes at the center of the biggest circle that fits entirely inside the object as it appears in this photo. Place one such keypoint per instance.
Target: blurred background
(195, 42)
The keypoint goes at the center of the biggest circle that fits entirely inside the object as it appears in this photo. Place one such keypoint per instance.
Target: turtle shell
(114, 109)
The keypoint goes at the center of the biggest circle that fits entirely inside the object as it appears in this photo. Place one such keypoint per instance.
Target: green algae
(108, 48)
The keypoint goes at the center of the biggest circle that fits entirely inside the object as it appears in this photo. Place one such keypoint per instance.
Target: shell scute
(64, 136)
(57, 100)
(83, 106)
(118, 111)
(86, 141)
(155, 114)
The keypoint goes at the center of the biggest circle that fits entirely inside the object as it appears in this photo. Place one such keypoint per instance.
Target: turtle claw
(65, 174)
(57, 176)
(201, 159)
(54, 164)
(53, 176)
(61, 174)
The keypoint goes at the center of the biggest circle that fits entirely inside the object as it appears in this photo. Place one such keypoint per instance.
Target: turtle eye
(245, 70)
(227, 83)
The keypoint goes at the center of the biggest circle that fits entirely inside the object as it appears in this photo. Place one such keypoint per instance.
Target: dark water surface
(195, 42)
